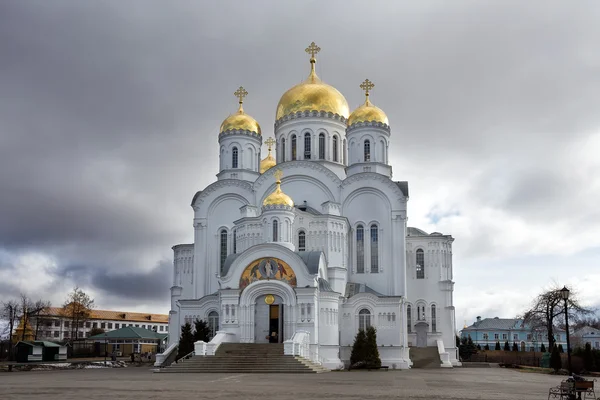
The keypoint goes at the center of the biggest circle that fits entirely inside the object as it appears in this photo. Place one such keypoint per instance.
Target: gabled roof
(130, 332)
(411, 231)
(324, 286)
(502, 324)
(114, 315)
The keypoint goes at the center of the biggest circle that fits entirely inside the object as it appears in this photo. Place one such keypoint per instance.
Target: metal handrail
(189, 355)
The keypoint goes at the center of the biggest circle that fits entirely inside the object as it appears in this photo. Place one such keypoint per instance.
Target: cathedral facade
(313, 240)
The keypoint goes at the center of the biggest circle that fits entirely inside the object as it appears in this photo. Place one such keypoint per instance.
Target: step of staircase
(246, 358)
(425, 357)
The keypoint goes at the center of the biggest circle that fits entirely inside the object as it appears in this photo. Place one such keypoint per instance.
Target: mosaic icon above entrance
(268, 269)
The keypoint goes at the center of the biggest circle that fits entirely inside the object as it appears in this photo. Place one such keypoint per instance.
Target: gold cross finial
(367, 85)
(270, 142)
(240, 94)
(313, 49)
(278, 174)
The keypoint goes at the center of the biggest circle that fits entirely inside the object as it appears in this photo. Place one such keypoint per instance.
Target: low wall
(528, 358)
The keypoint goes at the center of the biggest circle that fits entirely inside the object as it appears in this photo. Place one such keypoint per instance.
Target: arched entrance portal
(268, 320)
(258, 318)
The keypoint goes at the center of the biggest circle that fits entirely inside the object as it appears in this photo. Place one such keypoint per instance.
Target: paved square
(140, 383)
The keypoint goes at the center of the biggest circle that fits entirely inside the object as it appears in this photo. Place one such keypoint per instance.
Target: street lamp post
(564, 293)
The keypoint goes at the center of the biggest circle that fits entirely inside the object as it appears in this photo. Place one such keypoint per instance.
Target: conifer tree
(555, 360)
(588, 358)
(186, 341)
(201, 331)
(515, 347)
(371, 352)
(506, 346)
(487, 347)
(358, 349)
(543, 348)
(497, 345)
(560, 349)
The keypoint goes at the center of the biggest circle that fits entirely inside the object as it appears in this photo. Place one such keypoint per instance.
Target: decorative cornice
(267, 176)
(213, 187)
(277, 207)
(310, 114)
(370, 124)
(371, 176)
(242, 132)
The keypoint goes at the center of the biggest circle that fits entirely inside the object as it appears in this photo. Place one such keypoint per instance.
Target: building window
(433, 319)
(322, 146)
(364, 319)
(116, 326)
(294, 145)
(162, 328)
(557, 337)
(66, 324)
(213, 323)
(234, 158)
(408, 319)
(360, 249)
(307, 146)
(103, 325)
(505, 336)
(515, 336)
(57, 323)
(486, 336)
(94, 325)
(66, 334)
(344, 151)
(275, 231)
(143, 326)
(234, 238)
(420, 264)
(110, 325)
(529, 336)
(374, 249)
(223, 248)
(88, 324)
(301, 241)
(56, 333)
(496, 336)
(367, 150)
(283, 149)
(335, 149)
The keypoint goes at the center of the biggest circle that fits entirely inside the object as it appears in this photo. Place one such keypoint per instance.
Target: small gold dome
(240, 120)
(278, 198)
(269, 160)
(368, 112)
(312, 95)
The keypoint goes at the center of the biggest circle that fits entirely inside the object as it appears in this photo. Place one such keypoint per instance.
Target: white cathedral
(307, 247)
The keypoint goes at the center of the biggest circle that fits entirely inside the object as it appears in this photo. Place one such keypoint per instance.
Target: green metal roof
(130, 332)
(46, 344)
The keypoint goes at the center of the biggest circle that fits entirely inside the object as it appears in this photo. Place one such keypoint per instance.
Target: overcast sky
(109, 115)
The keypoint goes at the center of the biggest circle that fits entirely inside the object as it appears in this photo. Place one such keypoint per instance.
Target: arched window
(282, 149)
(374, 248)
(234, 157)
(344, 152)
(420, 264)
(213, 323)
(364, 319)
(293, 147)
(234, 241)
(335, 149)
(223, 248)
(307, 146)
(360, 249)
(408, 318)
(275, 231)
(322, 146)
(367, 150)
(301, 241)
(433, 322)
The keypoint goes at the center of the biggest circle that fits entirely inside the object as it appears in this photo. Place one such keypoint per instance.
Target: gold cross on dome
(270, 142)
(278, 175)
(313, 49)
(240, 94)
(367, 85)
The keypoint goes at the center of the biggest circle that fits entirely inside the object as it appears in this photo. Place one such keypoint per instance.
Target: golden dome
(278, 198)
(269, 160)
(312, 95)
(367, 112)
(240, 120)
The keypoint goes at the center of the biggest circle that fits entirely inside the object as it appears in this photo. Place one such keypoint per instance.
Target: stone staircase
(425, 357)
(246, 358)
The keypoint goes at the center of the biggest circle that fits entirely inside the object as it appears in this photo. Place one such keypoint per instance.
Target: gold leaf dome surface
(266, 163)
(240, 121)
(368, 113)
(312, 94)
(278, 198)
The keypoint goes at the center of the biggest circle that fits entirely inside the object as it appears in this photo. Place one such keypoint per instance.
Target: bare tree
(548, 306)
(32, 310)
(78, 308)
(10, 313)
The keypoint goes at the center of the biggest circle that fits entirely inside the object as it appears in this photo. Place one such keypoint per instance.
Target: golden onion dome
(368, 112)
(269, 160)
(240, 120)
(312, 95)
(278, 198)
